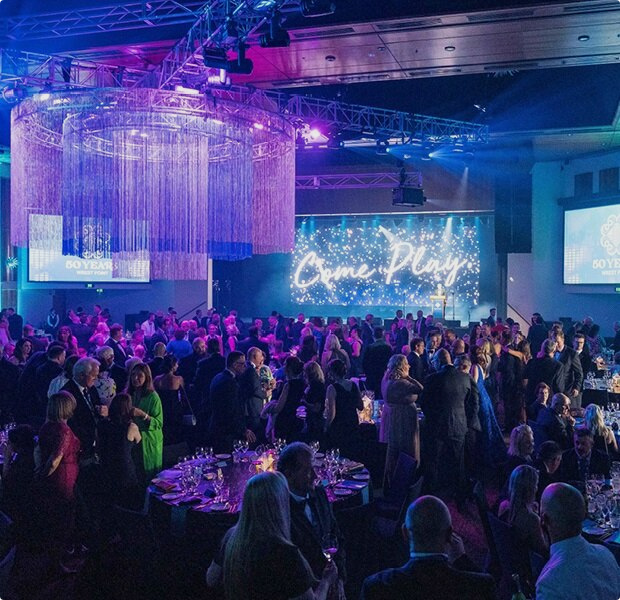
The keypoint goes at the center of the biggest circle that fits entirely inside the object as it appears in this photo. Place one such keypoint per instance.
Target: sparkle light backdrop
(387, 261)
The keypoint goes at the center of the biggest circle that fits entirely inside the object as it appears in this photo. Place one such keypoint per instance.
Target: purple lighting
(315, 134)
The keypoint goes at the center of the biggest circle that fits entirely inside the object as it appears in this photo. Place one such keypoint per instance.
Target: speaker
(513, 213)
(402, 196)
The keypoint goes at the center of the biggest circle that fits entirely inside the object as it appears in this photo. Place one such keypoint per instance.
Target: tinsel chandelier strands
(155, 176)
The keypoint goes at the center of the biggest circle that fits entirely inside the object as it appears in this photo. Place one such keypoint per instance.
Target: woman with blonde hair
(333, 351)
(257, 560)
(520, 449)
(604, 438)
(147, 411)
(520, 511)
(399, 422)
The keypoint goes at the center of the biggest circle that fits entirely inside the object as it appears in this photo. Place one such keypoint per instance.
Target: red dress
(53, 439)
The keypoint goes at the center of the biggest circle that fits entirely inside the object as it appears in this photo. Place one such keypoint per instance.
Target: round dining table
(204, 505)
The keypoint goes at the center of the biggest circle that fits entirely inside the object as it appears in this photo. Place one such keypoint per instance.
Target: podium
(438, 302)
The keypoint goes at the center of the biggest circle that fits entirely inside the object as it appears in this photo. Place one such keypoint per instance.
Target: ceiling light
(317, 8)
(330, 58)
(583, 38)
(450, 48)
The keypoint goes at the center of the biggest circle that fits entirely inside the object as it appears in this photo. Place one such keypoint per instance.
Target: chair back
(504, 538)
(415, 491)
(492, 565)
(402, 479)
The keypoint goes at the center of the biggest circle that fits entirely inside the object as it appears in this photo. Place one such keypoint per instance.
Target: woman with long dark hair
(171, 390)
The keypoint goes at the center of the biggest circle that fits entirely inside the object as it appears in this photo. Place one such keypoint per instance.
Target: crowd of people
(95, 405)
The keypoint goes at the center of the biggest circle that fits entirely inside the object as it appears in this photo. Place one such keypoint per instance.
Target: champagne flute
(329, 546)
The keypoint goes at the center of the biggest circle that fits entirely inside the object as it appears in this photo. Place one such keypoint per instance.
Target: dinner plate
(361, 476)
(319, 455)
(594, 530)
(223, 456)
(342, 492)
(219, 506)
(171, 496)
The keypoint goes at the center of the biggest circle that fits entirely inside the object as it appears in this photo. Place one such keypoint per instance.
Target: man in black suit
(206, 370)
(583, 461)
(418, 364)
(160, 336)
(89, 410)
(312, 517)
(428, 575)
(419, 325)
(16, 323)
(114, 341)
(296, 328)
(374, 363)
(366, 330)
(9, 376)
(227, 422)
(545, 369)
(444, 399)
(157, 363)
(252, 392)
(189, 364)
(537, 333)
(253, 341)
(50, 369)
(556, 421)
(583, 352)
(572, 374)
(510, 382)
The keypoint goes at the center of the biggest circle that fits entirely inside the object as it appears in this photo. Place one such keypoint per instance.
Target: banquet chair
(387, 525)
(492, 565)
(8, 557)
(397, 494)
(507, 551)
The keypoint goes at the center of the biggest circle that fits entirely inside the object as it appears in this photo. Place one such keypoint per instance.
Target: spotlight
(242, 65)
(14, 94)
(382, 147)
(314, 134)
(317, 8)
(277, 37)
(214, 57)
(261, 5)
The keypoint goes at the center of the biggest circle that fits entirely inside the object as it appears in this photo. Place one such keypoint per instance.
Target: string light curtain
(151, 176)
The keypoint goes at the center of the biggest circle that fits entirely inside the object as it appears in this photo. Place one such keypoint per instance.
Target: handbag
(188, 419)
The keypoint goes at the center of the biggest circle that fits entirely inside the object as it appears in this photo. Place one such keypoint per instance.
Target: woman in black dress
(287, 425)
(341, 405)
(118, 436)
(314, 401)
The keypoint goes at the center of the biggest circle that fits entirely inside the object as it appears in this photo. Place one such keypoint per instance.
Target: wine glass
(315, 448)
(218, 484)
(329, 546)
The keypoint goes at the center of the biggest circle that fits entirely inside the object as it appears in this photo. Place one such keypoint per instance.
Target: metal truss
(222, 24)
(354, 181)
(100, 19)
(46, 72)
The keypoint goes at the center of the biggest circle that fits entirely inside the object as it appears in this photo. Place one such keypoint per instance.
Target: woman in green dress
(148, 413)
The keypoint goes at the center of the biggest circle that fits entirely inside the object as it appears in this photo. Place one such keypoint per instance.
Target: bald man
(428, 575)
(576, 569)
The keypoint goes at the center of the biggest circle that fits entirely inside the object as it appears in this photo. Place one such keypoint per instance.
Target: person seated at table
(257, 559)
(520, 511)
(556, 421)
(543, 393)
(604, 438)
(520, 449)
(429, 574)
(582, 462)
(548, 463)
(342, 402)
(312, 518)
(118, 435)
(576, 570)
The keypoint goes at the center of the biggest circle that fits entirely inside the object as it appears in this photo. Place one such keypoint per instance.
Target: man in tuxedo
(253, 341)
(544, 369)
(583, 460)
(376, 357)
(510, 383)
(252, 392)
(189, 364)
(156, 364)
(556, 421)
(419, 325)
(432, 346)
(583, 352)
(572, 374)
(537, 333)
(491, 319)
(312, 517)
(296, 328)
(418, 363)
(227, 422)
(114, 341)
(366, 331)
(430, 574)
(160, 336)
(16, 323)
(444, 399)
(50, 369)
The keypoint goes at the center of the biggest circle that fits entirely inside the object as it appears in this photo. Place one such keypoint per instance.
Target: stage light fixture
(14, 94)
(382, 147)
(277, 37)
(317, 8)
(214, 58)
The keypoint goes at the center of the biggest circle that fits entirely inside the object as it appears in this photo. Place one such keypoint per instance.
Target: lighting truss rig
(358, 181)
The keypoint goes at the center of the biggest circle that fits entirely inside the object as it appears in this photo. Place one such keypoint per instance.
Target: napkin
(166, 486)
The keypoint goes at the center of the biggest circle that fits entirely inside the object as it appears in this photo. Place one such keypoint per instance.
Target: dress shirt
(580, 571)
(307, 509)
(417, 555)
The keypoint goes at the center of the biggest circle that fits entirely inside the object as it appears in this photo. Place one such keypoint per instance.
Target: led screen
(592, 245)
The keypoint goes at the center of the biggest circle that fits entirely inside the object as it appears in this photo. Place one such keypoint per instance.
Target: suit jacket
(253, 396)
(375, 361)
(188, 366)
(9, 376)
(158, 336)
(366, 334)
(569, 467)
(157, 366)
(120, 376)
(572, 373)
(44, 375)
(555, 427)
(446, 394)
(85, 418)
(227, 421)
(206, 370)
(543, 370)
(245, 344)
(418, 367)
(120, 356)
(308, 536)
(26, 387)
(431, 578)
(536, 335)
(296, 328)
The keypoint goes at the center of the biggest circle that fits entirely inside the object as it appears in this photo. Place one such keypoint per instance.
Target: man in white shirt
(149, 326)
(577, 570)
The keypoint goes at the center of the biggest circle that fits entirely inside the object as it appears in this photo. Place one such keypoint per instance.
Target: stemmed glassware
(218, 484)
(329, 546)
